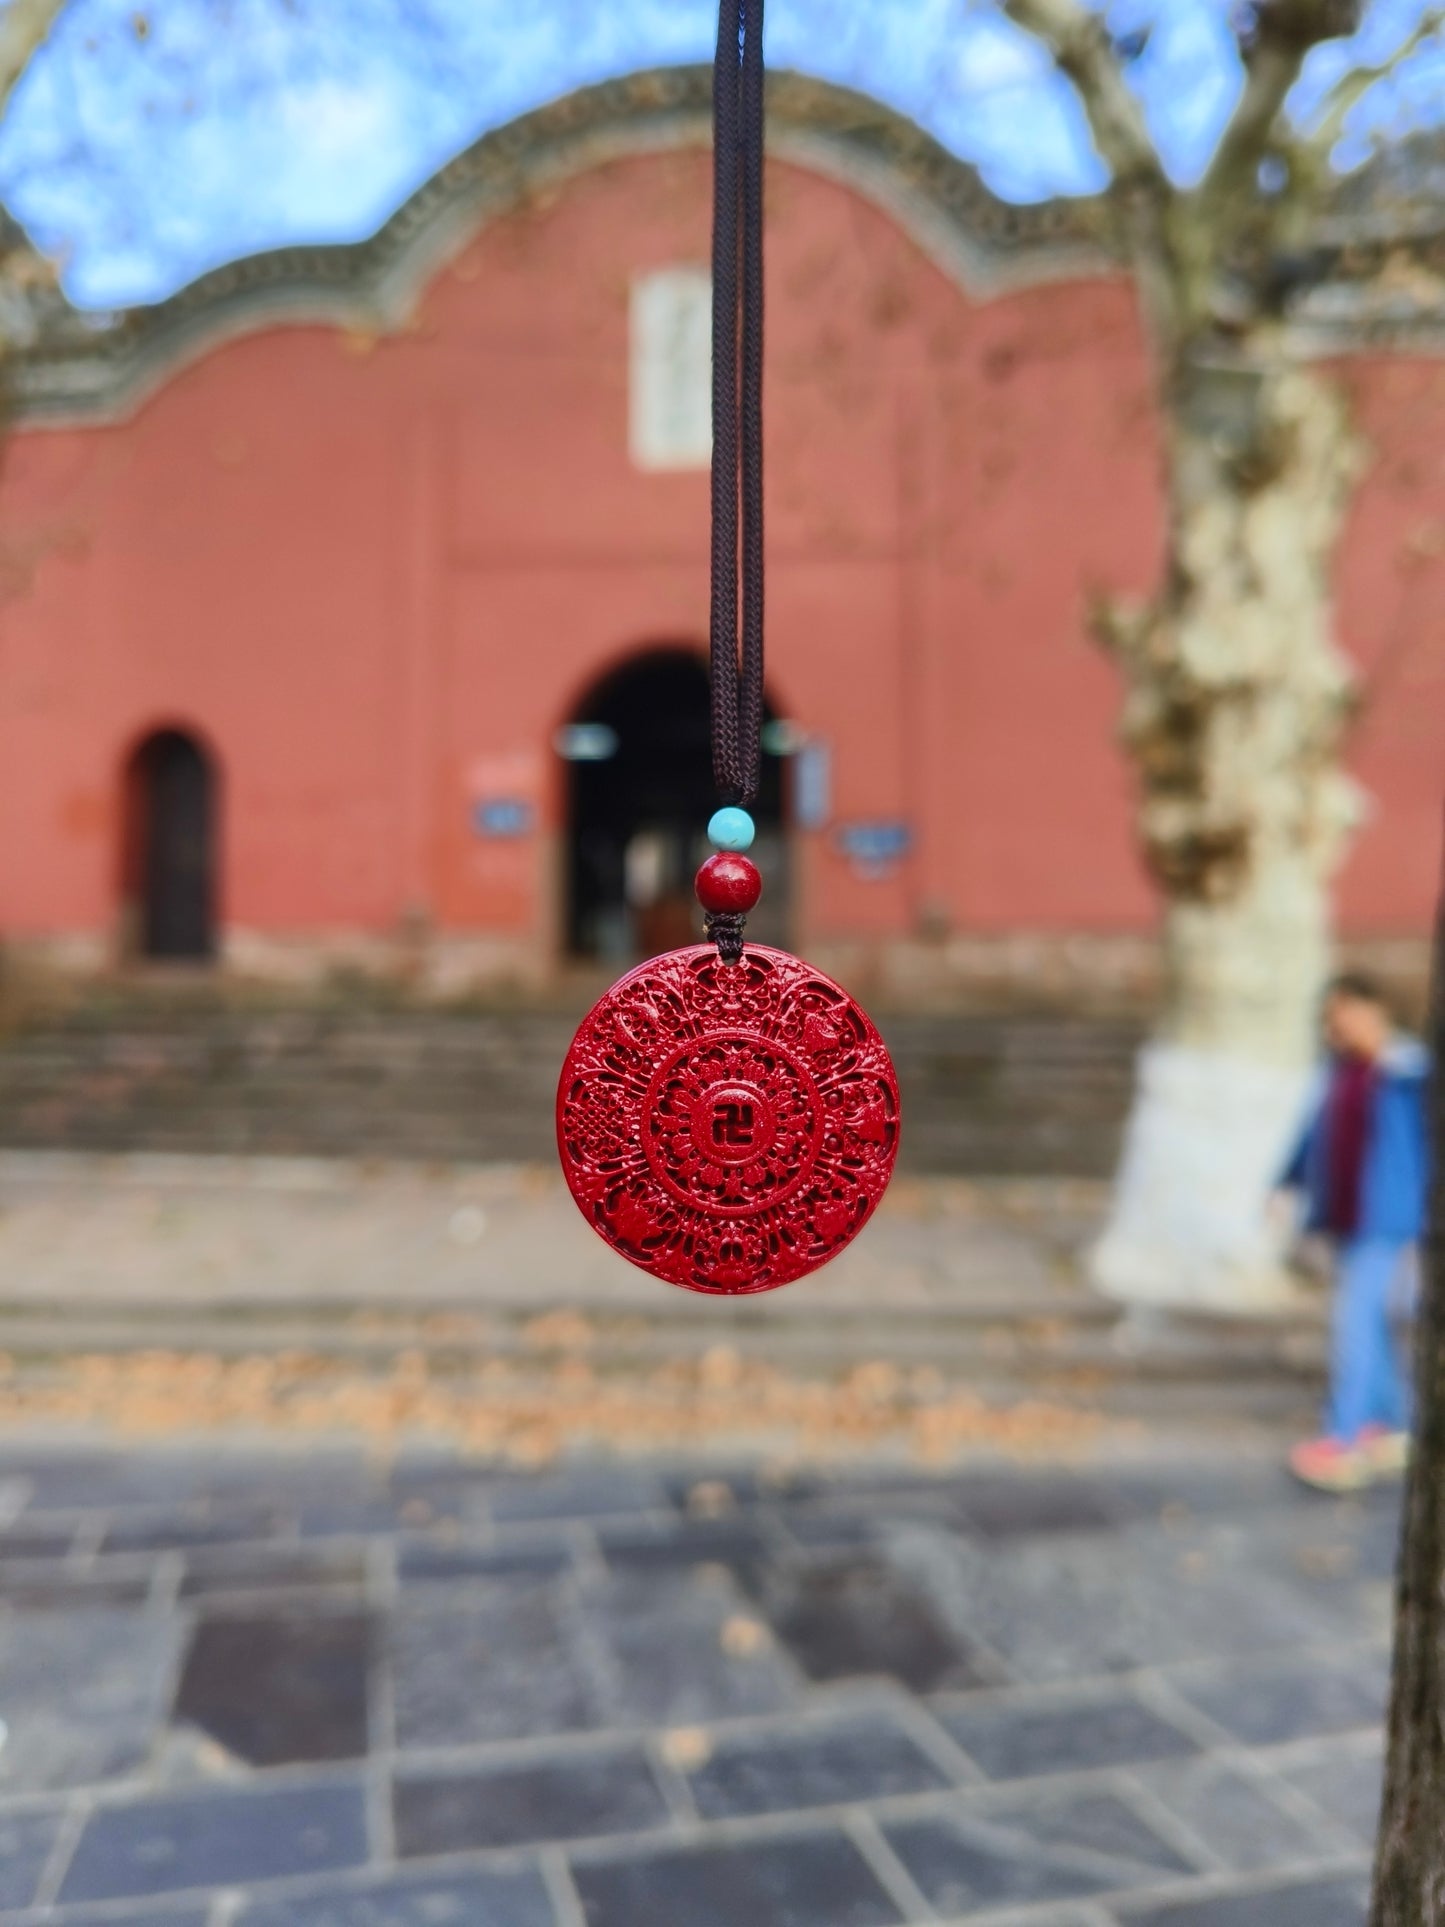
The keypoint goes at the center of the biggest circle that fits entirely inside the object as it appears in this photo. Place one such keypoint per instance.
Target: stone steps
(1064, 1346)
(971, 1284)
(1024, 1095)
(1005, 1347)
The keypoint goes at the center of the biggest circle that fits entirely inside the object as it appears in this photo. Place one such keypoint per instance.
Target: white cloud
(992, 56)
(339, 119)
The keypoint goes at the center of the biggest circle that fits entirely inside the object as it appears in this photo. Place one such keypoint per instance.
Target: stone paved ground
(253, 1689)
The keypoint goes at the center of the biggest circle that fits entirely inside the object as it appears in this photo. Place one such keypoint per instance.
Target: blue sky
(142, 158)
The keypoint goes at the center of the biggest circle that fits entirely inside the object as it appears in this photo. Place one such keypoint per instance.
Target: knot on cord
(725, 929)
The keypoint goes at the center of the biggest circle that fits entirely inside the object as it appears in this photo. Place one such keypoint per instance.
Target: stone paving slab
(275, 1689)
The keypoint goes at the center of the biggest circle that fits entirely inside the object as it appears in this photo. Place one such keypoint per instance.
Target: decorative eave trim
(105, 368)
(101, 369)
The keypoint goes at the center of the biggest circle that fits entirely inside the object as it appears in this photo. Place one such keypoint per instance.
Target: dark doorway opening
(170, 857)
(640, 793)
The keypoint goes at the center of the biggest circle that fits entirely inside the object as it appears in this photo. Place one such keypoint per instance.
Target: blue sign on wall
(502, 816)
(812, 784)
(874, 849)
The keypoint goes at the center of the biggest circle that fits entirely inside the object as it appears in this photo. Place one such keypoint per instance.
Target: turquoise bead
(731, 829)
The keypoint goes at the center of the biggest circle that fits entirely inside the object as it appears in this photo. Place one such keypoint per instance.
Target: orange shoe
(1329, 1465)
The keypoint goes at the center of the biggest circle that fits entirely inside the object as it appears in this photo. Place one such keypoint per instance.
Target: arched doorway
(170, 855)
(640, 792)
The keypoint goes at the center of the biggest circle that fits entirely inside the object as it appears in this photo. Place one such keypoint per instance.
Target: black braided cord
(737, 404)
(737, 422)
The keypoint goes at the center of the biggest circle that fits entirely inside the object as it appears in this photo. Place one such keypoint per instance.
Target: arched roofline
(103, 368)
(99, 369)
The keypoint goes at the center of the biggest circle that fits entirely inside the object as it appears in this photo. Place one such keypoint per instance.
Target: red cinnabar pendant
(728, 1117)
(727, 1127)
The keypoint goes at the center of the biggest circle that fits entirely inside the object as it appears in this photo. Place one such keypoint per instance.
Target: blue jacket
(1396, 1174)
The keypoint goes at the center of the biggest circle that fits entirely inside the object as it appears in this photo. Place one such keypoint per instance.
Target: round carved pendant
(727, 1127)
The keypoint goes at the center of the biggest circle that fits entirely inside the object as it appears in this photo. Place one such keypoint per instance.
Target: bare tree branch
(1080, 44)
(1352, 87)
(1285, 32)
(28, 292)
(24, 27)
(1143, 198)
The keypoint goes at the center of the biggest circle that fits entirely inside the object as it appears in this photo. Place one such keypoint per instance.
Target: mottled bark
(1410, 1854)
(1235, 694)
(1236, 698)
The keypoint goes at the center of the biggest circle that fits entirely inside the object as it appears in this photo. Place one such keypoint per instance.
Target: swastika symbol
(732, 1123)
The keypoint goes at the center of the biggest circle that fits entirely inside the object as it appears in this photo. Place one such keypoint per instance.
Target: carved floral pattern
(727, 1127)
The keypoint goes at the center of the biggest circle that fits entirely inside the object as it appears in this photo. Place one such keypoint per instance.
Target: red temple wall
(376, 574)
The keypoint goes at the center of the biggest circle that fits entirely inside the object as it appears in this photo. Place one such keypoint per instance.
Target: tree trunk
(1235, 701)
(1410, 1855)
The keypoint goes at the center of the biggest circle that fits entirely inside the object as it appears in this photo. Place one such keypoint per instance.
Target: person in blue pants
(1362, 1163)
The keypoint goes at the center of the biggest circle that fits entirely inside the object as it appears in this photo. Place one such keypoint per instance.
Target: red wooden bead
(728, 881)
